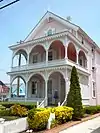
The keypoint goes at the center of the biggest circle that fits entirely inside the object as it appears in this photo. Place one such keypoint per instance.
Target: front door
(50, 92)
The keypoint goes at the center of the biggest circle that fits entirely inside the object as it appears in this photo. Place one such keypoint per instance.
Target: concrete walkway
(84, 127)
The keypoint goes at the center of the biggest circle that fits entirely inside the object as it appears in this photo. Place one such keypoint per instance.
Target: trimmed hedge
(38, 120)
(92, 109)
(6, 112)
(17, 110)
(63, 114)
(28, 105)
(2, 107)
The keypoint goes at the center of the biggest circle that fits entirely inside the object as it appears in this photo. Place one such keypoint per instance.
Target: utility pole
(6, 5)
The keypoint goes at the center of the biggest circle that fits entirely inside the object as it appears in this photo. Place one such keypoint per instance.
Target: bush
(74, 98)
(17, 110)
(6, 112)
(28, 105)
(38, 120)
(92, 109)
(63, 114)
(2, 107)
(54, 123)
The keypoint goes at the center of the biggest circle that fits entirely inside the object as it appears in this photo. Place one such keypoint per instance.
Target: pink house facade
(45, 59)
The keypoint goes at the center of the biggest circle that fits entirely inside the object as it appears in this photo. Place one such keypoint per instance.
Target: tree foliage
(74, 98)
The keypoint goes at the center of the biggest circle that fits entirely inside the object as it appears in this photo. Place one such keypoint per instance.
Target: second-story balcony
(57, 55)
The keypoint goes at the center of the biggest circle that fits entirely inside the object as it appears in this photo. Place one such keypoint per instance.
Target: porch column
(26, 90)
(27, 59)
(46, 83)
(12, 62)
(77, 58)
(46, 56)
(66, 87)
(66, 52)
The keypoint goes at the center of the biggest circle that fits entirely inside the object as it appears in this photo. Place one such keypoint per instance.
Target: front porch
(38, 89)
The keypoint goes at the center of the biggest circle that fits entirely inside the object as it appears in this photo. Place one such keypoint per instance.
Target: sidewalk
(84, 127)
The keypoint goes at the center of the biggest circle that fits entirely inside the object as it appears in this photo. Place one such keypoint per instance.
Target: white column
(66, 87)
(46, 82)
(46, 56)
(26, 90)
(66, 52)
(12, 62)
(77, 58)
(27, 59)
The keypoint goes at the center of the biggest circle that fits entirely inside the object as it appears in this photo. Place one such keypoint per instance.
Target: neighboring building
(45, 58)
(4, 90)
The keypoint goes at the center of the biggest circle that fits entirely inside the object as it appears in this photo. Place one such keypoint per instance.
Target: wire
(1, 0)
(8, 4)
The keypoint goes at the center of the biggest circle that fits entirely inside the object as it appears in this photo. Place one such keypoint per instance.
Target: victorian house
(43, 61)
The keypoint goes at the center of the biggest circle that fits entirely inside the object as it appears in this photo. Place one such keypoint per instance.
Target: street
(97, 130)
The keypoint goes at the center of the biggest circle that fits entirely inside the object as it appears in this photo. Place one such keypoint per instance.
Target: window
(34, 87)
(94, 89)
(50, 57)
(35, 58)
(49, 32)
(82, 40)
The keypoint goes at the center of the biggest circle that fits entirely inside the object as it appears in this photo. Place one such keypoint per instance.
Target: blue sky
(17, 21)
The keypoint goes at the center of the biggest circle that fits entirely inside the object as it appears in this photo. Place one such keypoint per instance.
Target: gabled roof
(63, 21)
(56, 17)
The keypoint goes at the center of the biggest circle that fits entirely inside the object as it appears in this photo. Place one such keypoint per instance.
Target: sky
(17, 20)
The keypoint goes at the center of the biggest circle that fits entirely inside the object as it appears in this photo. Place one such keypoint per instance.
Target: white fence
(14, 126)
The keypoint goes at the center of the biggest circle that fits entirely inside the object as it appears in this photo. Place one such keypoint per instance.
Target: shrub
(17, 110)
(92, 109)
(38, 120)
(54, 123)
(74, 98)
(63, 114)
(28, 105)
(2, 107)
(6, 112)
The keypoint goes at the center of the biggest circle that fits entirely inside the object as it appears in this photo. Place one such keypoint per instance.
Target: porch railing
(23, 99)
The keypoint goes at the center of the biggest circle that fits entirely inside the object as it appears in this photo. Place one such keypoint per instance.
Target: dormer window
(49, 32)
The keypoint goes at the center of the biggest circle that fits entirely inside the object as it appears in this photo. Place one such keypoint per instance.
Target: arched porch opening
(36, 86)
(71, 52)
(56, 88)
(37, 54)
(20, 58)
(18, 87)
(56, 50)
(82, 60)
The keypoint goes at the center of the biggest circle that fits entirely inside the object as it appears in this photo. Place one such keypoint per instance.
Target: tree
(74, 98)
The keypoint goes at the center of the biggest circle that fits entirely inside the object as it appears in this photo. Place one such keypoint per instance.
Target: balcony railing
(53, 63)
